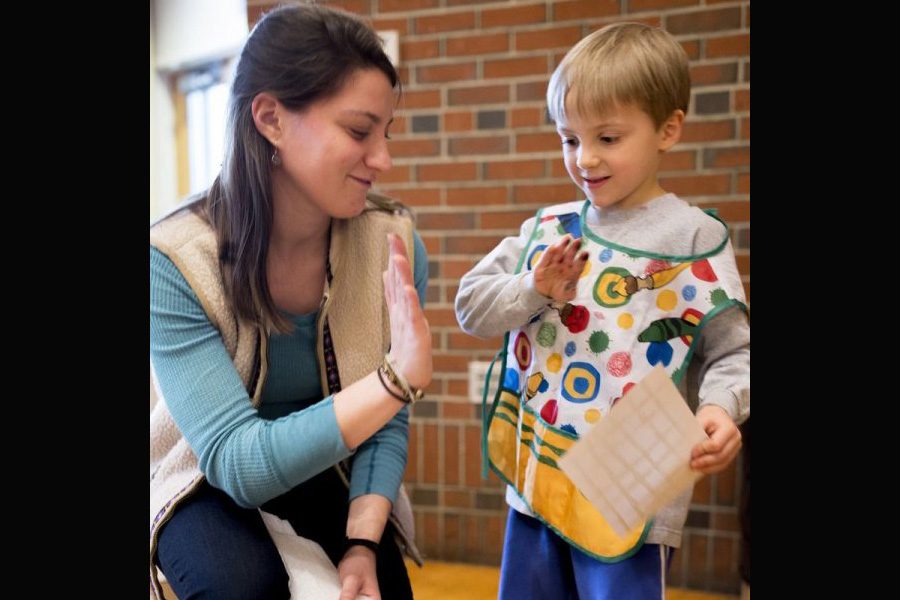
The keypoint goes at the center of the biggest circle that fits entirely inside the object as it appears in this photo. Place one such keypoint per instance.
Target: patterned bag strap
(334, 378)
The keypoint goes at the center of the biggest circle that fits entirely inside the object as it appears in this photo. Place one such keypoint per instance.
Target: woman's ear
(266, 109)
(670, 132)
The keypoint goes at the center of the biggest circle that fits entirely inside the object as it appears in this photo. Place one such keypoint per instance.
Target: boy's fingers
(708, 446)
(705, 456)
(562, 245)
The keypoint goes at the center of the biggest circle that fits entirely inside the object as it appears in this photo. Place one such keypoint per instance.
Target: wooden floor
(455, 581)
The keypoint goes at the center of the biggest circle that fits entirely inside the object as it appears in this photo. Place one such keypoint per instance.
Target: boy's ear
(670, 132)
(266, 111)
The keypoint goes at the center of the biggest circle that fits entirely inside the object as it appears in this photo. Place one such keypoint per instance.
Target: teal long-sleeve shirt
(256, 455)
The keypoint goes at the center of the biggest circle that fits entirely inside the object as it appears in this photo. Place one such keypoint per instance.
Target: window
(206, 97)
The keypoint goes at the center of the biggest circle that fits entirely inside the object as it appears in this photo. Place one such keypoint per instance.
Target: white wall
(163, 166)
(183, 34)
(190, 32)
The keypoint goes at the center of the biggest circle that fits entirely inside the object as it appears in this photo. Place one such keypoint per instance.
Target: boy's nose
(587, 159)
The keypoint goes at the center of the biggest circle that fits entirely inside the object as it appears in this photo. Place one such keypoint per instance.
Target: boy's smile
(595, 183)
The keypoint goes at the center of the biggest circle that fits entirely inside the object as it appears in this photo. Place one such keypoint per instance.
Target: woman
(275, 359)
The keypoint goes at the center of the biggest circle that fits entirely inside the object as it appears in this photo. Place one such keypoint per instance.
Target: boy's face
(614, 157)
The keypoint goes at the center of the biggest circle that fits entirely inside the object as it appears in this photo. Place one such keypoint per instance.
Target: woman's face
(334, 150)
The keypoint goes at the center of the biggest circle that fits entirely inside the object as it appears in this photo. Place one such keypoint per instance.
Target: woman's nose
(379, 157)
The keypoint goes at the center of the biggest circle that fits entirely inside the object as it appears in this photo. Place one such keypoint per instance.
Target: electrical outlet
(477, 372)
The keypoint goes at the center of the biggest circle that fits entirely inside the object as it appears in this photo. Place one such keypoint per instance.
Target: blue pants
(538, 564)
(212, 548)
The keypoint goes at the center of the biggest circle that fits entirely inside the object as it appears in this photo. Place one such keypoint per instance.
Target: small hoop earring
(276, 159)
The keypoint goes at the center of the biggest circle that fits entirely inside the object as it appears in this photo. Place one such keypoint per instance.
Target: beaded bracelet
(411, 394)
(387, 388)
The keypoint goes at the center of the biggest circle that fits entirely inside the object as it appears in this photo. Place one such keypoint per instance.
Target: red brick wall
(475, 156)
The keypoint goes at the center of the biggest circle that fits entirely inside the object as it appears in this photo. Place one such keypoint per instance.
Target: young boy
(591, 295)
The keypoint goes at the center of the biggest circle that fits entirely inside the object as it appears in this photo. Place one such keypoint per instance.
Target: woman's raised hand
(410, 333)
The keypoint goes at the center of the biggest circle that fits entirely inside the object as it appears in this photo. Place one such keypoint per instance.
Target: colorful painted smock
(568, 367)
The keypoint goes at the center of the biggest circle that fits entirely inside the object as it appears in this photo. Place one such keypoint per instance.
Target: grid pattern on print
(637, 458)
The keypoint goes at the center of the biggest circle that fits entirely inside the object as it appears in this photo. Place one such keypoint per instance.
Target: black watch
(350, 542)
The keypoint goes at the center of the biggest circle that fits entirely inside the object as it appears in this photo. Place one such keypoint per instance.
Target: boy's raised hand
(556, 274)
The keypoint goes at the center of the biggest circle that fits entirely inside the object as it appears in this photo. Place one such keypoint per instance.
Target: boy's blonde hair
(622, 64)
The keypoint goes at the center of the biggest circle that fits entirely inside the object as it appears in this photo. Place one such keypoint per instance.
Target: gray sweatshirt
(492, 300)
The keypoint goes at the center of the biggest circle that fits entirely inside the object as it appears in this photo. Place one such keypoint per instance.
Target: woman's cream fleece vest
(360, 331)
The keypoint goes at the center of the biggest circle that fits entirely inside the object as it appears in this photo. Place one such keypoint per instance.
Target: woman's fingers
(412, 302)
(401, 276)
(400, 292)
(410, 334)
(396, 245)
(350, 588)
(388, 288)
(393, 281)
